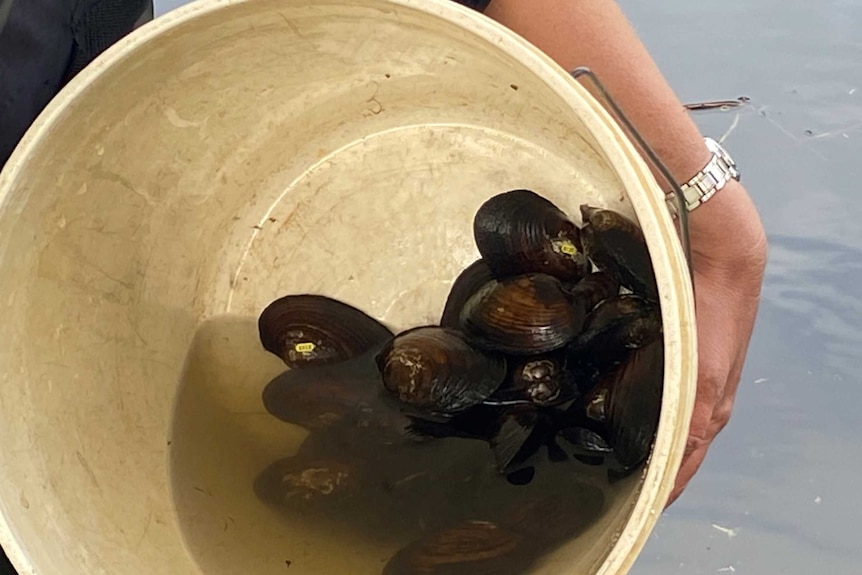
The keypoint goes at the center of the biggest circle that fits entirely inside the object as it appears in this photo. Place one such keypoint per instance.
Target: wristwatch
(713, 177)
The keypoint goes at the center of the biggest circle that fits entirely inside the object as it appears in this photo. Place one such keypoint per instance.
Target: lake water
(778, 493)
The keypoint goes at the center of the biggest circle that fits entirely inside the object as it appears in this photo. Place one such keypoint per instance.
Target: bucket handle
(674, 198)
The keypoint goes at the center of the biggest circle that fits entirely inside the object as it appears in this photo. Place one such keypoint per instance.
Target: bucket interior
(223, 156)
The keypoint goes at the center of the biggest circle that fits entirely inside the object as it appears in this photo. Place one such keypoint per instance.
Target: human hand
(728, 259)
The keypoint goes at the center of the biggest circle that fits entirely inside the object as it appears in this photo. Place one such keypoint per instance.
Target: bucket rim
(676, 294)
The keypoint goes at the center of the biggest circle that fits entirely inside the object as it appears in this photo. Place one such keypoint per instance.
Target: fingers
(690, 464)
(698, 445)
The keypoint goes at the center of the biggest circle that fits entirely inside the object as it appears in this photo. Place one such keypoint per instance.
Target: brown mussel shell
(520, 232)
(299, 480)
(434, 369)
(512, 445)
(586, 445)
(617, 245)
(311, 330)
(540, 380)
(626, 405)
(469, 548)
(593, 290)
(613, 329)
(468, 282)
(556, 517)
(526, 315)
(344, 394)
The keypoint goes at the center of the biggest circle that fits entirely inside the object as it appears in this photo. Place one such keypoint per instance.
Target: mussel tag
(617, 245)
(311, 330)
(520, 232)
(525, 315)
(435, 369)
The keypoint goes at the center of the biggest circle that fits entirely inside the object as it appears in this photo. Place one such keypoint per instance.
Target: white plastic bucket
(235, 151)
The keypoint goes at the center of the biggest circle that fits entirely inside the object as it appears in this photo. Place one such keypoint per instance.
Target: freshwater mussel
(520, 232)
(549, 343)
(619, 416)
(522, 315)
(310, 330)
(617, 245)
(435, 371)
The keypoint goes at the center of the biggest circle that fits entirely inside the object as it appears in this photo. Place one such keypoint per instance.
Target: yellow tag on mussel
(307, 347)
(568, 248)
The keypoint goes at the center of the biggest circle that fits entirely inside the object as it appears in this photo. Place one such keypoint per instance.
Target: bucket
(227, 154)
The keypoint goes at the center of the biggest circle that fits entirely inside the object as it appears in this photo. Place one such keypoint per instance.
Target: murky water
(778, 493)
(254, 494)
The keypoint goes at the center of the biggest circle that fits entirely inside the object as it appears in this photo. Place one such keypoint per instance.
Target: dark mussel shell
(435, 370)
(480, 422)
(522, 433)
(525, 315)
(469, 548)
(555, 517)
(540, 380)
(613, 329)
(593, 289)
(520, 232)
(346, 394)
(586, 445)
(294, 480)
(466, 284)
(310, 330)
(617, 245)
(626, 405)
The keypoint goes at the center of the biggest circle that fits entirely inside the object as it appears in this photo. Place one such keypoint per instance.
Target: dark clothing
(44, 43)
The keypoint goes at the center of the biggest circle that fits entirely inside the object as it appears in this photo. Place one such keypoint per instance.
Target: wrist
(726, 234)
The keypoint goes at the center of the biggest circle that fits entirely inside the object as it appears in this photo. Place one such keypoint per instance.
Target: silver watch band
(713, 177)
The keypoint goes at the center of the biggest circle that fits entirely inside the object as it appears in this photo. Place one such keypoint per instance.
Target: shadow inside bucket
(254, 493)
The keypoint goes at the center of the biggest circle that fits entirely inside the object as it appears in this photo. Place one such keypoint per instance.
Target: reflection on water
(778, 493)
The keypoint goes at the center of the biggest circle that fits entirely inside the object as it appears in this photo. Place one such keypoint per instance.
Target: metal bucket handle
(674, 198)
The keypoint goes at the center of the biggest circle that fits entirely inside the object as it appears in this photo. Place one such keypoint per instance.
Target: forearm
(596, 33)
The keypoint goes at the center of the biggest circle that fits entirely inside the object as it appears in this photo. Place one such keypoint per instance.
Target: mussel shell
(522, 432)
(626, 405)
(520, 232)
(434, 369)
(613, 329)
(469, 548)
(617, 245)
(594, 289)
(586, 445)
(540, 380)
(480, 422)
(311, 330)
(556, 517)
(343, 394)
(295, 481)
(468, 282)
(526, 315)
